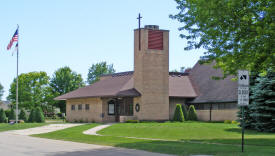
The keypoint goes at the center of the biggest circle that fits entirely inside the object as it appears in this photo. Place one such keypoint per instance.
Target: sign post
(243, 96)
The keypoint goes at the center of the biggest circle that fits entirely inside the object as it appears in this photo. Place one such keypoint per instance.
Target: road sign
(243, 78)
(243, 88)
(243, 96)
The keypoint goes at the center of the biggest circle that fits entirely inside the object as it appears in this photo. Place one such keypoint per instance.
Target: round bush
(178, 115)
(192, 114)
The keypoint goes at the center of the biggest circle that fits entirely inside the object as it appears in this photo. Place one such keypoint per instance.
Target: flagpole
(17, 77)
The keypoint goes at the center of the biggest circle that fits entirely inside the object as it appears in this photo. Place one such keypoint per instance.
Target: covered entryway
(121, 107)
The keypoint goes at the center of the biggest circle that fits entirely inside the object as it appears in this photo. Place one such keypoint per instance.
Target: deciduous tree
(32, 90)
(237, 34)
(63, 81)
(98, 69)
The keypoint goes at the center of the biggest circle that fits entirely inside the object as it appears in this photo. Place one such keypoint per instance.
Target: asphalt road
(20, 145)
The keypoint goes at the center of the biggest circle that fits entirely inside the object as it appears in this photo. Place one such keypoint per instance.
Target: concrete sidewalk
(42, 129)
(94, 130)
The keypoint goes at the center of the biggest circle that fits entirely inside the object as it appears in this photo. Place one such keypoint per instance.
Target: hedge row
(36, 115)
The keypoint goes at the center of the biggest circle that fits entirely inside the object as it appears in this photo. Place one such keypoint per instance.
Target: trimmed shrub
(227, 121)
(2, 116)
(132, 121)
(12, 115)
(23, 116)
(178, 115)
(184, 111)
(32, 116)
(39, 116)
(192, 114)
(235, 122)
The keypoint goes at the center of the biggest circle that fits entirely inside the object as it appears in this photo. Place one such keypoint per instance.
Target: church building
(151, 92)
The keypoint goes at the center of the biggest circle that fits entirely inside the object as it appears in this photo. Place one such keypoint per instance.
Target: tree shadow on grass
(265, 142)
(248, 131)
(188, 148)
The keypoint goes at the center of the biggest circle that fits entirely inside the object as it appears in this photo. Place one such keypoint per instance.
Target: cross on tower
(139, 18)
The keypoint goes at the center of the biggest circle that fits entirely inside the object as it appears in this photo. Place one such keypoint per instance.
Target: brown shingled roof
(210, 90)
(116, 85)
(122, 85)
(180, 86)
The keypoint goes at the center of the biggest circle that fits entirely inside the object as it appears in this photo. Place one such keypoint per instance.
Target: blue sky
(79, 33)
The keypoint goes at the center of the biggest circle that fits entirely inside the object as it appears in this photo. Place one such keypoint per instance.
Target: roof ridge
(118, 74)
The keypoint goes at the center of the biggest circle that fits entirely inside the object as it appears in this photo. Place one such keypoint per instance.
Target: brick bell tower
(151, 72)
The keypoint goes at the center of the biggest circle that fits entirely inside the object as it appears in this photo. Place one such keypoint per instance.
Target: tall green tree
(263, 103)
(98, 69)
(63, 81)
(237, 34)
(1, 91)
(32, 90)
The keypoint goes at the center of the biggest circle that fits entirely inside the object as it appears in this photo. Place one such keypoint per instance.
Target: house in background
(4, 105)
(151, 92)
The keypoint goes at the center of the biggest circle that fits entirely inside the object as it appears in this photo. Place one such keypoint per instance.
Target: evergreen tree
(178, 115)
(23, 116)
(263, 103)
(39, 116)
(184, 111)
(12, 115)
(32, 116)
(192, 114)
(2, 116)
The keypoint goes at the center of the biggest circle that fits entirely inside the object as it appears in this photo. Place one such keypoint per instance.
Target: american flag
(14, 39)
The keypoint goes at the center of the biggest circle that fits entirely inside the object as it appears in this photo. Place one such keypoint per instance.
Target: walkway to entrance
(93, 131)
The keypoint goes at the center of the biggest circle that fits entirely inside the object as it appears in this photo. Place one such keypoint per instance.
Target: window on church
(80, 107)
(73, 107)
(87, 106)
(111, 107)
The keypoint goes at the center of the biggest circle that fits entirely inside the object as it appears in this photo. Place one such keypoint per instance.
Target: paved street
(21, 145)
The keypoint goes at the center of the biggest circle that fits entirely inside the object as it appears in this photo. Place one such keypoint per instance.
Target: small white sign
(243, 88)
(243, 96)
(243, 78)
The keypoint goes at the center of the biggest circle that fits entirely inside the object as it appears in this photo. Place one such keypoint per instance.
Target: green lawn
(169, 147)
(191, 131)
(7, 127)
(55, 121)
